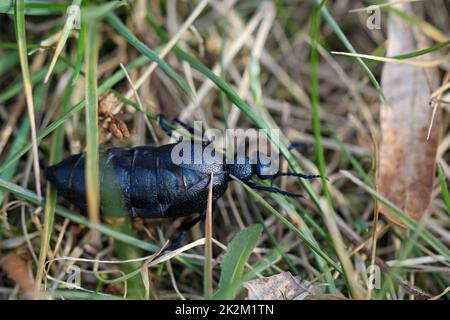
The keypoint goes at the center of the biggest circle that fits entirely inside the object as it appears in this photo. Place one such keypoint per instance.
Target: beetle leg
(192, 131)
(185, 226)
(274, 190)
(300, 175)
(295, 145)
(185, 125)
(163, 125)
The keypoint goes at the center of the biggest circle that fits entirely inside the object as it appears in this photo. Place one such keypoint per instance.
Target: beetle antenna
(274, 190)
(300, 175)
(295, 145)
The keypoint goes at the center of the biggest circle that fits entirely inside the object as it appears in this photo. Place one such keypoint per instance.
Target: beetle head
(241, 168)
(244, 170)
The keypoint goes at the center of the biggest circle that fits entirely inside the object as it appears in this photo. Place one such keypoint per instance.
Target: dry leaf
(283, 286)
(119, 129)
(407, 159)
(16, 269)
(109, 123)
(106, 104)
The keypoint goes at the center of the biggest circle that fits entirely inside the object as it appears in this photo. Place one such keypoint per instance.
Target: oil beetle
(145, 182)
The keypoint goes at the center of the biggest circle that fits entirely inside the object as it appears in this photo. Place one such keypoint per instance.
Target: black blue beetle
(145, 182)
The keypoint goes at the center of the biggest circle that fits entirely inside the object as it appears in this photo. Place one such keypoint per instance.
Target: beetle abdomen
(141, 181)
(115, 181)
(68, 178)
(127, 181)
(143, 185)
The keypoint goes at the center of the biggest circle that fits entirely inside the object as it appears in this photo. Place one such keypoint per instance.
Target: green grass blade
(27, 195)
(125, 251)
(51, 195)
(8, 61)
(68, 26)
(354, 162)
(18, 87)
(408, 55)
(19, 23)
(340, 34)
(444, 188)
(142, 48)
(427, 236)
(267, 261)
(115, 78)
(19, 142)
(256, 90)
(304, 237)
(254, 209)
(22, 137)
(223, 97)
(80, 51)
(407, 246)
(329, 215)
(99, 11)
(233, 263)
(81, 295)
(422, 52)
(289, 208)
(32, 7)
(92, 155)
(245, 108)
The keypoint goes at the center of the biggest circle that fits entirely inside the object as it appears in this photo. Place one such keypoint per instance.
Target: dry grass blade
(440, 91)
(208, 290)
(168, 47)
(447, 290)
(407, 159)
(140, 104)
(390, 3)
(418, 64)
(244, 65)
(68, 26)
(28, 88)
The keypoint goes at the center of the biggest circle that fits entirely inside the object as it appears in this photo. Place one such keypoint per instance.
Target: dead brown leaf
(106, 104)
(406, 158)
(109, 121)
(119, 129)
(16, 269)
(283, 286)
